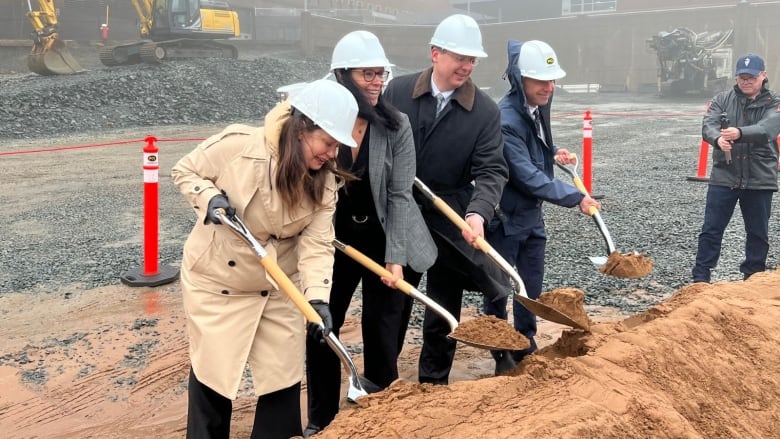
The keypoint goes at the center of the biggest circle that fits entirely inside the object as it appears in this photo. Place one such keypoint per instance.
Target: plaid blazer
(391, 168)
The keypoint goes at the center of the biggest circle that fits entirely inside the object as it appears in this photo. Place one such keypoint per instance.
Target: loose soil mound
(490, 331)
(569, 301)
(629, 265)
(703, 364)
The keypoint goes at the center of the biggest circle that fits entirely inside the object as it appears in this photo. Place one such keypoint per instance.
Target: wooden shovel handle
(369, 263)
(238, 227)
(291, 290)
(578, 183)
(460, 222)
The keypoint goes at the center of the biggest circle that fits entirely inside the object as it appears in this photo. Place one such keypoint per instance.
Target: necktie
(538, 123)
(439, 103)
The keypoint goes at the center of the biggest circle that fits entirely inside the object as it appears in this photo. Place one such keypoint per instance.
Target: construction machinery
(177, 29)
(692, 63)
(49, 55)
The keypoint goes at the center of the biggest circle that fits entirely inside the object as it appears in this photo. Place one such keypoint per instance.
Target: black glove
(218, 201)
(313, 329)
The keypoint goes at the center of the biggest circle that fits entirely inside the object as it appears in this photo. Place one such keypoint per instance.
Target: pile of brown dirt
(703, 364)
(627, 265)
(568, 301)
(490, 331)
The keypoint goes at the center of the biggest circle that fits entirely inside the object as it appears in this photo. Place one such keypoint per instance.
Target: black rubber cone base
(135, 277)
(704, 179)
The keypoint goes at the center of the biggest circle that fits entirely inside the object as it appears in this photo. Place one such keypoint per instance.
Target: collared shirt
(435, 91)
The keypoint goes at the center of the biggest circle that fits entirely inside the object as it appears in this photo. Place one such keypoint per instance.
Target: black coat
(461, 146)
(754, 155)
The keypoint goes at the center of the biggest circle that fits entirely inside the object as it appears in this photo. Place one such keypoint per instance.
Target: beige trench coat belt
(263, 293)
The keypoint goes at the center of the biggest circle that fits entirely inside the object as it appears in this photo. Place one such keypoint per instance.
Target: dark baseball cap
(750, 64)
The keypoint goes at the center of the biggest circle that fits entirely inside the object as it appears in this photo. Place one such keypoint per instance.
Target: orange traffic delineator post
(587, 151)
(151, 274)
(587, 154)
(701, 171)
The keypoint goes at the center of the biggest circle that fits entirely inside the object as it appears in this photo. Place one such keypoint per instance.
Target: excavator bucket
(51, 57)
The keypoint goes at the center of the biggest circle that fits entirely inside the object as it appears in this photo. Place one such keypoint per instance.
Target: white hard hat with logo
(459, 34)
(537, 60)
(358, 49)
(330, 106)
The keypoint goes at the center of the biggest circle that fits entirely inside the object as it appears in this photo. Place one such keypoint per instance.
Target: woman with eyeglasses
(377, 215)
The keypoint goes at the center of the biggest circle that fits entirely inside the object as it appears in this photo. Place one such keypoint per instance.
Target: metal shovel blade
(548, 313)
(521, 296)
(358, 386)
(536, 307)
(416, 294)
(598, 261)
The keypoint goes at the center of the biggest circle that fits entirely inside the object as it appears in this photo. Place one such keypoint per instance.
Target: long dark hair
(383, 113)
(294, 180)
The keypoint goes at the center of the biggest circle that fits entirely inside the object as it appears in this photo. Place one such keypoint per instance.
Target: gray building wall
(608, 49)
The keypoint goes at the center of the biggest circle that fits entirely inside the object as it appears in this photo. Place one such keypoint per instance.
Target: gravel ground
(62, 228)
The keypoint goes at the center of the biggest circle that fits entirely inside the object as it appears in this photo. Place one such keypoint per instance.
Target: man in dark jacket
(741, 124)
(519, 235)
(457, 135)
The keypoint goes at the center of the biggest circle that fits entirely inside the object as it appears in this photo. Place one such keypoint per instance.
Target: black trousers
(277, 415)
(384, 320)
(444, 284)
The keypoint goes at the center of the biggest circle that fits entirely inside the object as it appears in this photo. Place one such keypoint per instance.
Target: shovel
(598, 261)
(357, 384)
(630, 265)
(408, 289)
(520, 295)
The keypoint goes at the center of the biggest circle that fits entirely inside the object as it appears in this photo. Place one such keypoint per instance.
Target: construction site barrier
(151, 274)
(701, 169)
(587, 151)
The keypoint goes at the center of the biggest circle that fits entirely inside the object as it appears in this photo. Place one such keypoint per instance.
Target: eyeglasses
(370, 75)
(461, 59)
(748, 79)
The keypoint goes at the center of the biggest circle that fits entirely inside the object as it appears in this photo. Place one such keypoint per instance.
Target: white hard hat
(358, 49)
(537, 60)
(287, 91)
(459, 34)
(329, 105)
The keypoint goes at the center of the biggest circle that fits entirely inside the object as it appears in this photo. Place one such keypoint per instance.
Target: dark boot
(504, 362)
(310, 431)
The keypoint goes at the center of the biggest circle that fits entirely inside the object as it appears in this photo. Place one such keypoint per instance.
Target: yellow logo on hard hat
(550, 61)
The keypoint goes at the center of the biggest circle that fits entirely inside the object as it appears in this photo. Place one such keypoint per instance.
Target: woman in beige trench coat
(281, 180)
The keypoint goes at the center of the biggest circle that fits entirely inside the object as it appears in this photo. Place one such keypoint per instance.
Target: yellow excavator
(49, 55)
(177, 29)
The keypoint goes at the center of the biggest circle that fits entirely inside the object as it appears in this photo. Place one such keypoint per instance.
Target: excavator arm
(48, 56)
(144, 10)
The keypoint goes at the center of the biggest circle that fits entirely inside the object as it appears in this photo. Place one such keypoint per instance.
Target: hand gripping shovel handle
(594, 213)
(356, 389)
(401, 284)
(483, 245)
(521, 296)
